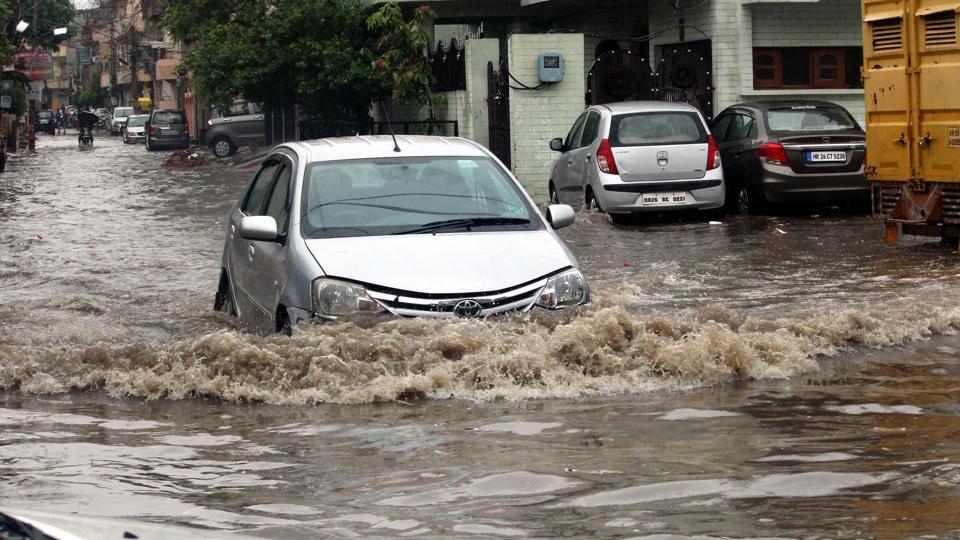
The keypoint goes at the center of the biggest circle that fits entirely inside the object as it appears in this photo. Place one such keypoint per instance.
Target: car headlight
(566, 289)
(334, 298)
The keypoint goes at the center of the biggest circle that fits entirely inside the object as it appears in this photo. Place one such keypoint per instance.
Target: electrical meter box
(550, 66)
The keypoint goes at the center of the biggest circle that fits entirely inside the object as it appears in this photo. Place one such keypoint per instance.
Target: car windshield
(121, 112)
(408, 195)
(802, 118)
(136, 121)
(169, 117)
(657, 128)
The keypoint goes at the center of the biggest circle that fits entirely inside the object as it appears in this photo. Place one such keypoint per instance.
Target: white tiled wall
(538, 116)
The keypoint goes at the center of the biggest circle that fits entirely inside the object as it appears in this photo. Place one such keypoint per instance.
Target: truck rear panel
(912, 90)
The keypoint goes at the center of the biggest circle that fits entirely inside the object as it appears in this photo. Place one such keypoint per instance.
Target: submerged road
(760, 377)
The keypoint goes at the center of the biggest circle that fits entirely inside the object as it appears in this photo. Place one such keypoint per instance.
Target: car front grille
(414, 304)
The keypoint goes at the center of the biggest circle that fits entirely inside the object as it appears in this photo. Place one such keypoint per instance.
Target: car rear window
(122, 111)
(800, 118)
(45, 115)
(667, 127)
(135, 121)
(173, 117)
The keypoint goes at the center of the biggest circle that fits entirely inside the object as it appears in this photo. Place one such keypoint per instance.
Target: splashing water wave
(602, 351)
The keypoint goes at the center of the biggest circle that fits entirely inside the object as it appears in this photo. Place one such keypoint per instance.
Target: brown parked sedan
(790, 152)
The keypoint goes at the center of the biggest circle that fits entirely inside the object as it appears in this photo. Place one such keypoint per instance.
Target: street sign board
(35, 91)
(38, 65)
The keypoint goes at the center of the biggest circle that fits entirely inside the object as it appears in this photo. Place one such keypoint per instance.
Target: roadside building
(709, 53)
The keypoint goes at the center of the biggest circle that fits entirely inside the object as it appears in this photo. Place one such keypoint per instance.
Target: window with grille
(805, 67)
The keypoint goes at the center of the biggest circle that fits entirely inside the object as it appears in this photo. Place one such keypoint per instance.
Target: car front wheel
(222, 147)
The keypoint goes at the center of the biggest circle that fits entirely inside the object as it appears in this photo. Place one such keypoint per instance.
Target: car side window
(720, 127)
(590, 129)
(741, 127)
(278, 206)
(573, 137)
(258, 189)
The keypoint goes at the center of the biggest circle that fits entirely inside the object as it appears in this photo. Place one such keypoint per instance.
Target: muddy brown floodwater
(763, 377)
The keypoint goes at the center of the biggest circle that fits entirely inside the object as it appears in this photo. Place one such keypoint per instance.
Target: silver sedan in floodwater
(429, 226)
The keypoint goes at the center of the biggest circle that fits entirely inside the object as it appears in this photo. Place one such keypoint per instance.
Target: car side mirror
(259, 228)
(556, 144)
(560, 215)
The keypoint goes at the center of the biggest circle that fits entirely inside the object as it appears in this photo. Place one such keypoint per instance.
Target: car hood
(443, 263)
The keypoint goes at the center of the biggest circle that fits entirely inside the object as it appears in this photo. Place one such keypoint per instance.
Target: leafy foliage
(315, 53)
(51, 14)
(6, 49)
(402, 49)
(93, 95)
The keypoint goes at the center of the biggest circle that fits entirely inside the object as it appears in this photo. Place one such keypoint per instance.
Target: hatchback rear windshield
(121, 112)
(46, 115)
(135, 121)
(643, 129)
(368, 197)
(802, 118)
(173, 117)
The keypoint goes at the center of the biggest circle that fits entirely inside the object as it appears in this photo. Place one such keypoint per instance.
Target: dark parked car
(46, 122)
(167, 128)
(790, 152)
(241, 124)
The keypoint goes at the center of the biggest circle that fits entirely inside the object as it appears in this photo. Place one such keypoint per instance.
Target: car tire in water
(223, 301)
(222, 147)
(554, 197)
(590, 202)
(284, 328)
(748, 201)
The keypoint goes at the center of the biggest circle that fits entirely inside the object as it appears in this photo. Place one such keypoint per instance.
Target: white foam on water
(874, 408)
(520, 427)
(808, 458)
(490, 530)
(695, 414)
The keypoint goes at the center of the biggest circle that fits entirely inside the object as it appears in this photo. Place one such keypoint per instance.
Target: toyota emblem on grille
(662, 158)
(467, 308)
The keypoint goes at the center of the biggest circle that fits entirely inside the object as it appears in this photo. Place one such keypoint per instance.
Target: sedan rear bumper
(781, 184)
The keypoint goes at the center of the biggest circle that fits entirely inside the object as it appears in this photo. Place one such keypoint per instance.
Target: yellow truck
(911, 78)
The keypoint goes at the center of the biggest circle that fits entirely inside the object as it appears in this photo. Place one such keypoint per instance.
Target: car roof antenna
(396, 147)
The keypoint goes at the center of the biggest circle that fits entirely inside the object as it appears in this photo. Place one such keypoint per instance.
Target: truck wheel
(222, 147)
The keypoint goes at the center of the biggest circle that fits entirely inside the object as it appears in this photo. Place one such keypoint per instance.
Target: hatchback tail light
(772, 153)
(153, 131)
(605, 161)
(713, 153)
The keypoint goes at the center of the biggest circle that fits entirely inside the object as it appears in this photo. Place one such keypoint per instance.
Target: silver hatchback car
(641, 156)
(440, 228)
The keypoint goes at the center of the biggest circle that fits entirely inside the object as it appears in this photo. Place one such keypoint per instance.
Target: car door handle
(259, 117)
(250, 252)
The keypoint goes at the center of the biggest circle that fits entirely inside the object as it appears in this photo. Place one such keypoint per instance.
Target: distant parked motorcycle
(86, 121)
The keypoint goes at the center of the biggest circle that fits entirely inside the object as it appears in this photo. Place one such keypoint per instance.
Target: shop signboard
(38, 65)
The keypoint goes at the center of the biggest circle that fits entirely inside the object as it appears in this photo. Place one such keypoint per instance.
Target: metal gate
(498, 110)
(683, 75)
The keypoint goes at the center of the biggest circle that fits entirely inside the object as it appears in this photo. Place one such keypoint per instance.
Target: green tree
(315, 53)
(402, 47)
(51, 14)
(6, 49)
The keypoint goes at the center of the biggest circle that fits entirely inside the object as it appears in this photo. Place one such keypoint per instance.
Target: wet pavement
(761, 377)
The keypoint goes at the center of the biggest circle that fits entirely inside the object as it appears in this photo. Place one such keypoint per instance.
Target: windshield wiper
(466, 223)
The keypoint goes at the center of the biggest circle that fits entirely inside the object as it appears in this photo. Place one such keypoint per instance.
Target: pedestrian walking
(60, 127)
